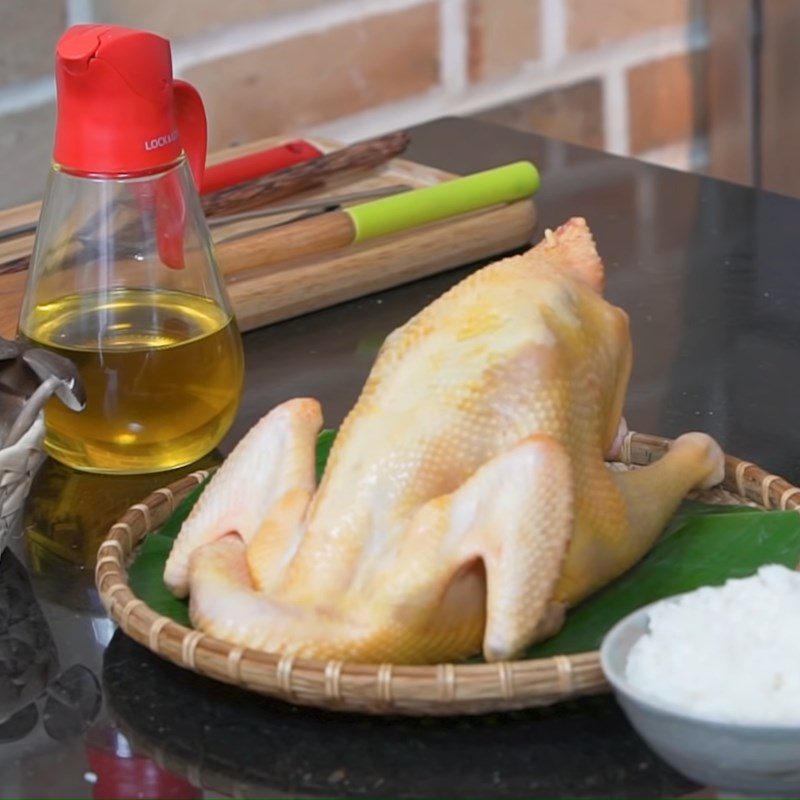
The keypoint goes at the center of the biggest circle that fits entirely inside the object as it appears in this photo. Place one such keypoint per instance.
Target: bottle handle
(192, 127)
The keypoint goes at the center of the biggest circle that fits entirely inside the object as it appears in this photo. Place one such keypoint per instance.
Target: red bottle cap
(116, 102)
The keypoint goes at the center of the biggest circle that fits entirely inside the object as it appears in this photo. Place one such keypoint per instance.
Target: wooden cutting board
(291, 288)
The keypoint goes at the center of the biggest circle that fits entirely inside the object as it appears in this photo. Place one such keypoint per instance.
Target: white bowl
(745, 759)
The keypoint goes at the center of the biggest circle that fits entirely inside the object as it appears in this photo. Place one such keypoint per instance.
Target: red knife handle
(237, 170)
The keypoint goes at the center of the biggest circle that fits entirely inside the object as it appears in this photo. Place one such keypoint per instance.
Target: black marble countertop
(707, 271)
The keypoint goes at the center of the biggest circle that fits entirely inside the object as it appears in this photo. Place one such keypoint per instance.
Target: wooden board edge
(281, 294)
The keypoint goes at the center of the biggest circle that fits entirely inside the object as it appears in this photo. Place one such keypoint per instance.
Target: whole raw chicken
(466, 502)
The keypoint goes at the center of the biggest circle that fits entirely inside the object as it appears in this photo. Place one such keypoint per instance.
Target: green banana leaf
(324, 444)
(704, 545)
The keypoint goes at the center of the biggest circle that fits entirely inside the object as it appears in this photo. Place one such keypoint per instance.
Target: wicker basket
(18, 465)
(385, 688)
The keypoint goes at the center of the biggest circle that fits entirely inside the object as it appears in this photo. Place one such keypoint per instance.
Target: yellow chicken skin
(466, 502)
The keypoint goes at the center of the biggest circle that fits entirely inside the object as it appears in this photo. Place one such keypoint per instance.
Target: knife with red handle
(238, 170)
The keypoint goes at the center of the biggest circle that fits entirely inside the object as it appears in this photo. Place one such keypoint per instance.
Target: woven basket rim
(460, 688)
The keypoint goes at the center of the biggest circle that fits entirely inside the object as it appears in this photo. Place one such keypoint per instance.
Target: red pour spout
(118, 107)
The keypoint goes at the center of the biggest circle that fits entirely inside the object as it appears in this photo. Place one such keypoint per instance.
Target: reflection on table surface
(67, 515)
(225, 738)
(55, 731)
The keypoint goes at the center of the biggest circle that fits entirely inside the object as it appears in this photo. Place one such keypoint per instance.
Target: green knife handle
(449, 199)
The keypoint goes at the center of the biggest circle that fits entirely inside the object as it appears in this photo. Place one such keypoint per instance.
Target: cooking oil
(163, 373)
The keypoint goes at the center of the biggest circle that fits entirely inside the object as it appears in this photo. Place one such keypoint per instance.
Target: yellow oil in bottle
(163, 373)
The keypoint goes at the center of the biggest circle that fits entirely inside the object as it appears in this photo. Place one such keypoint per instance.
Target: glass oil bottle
(123, 278)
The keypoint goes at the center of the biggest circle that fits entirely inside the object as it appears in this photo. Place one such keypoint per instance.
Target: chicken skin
(466, 502)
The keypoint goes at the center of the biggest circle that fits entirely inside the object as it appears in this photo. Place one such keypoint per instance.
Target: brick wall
(622, 75)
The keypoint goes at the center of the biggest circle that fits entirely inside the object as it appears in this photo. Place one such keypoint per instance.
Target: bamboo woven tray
(385, 688)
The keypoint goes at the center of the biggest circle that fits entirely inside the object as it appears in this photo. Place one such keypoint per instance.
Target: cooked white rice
(730, 652)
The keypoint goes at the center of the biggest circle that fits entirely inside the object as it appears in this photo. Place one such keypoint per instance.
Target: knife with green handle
(460, 196)
(338, 229)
